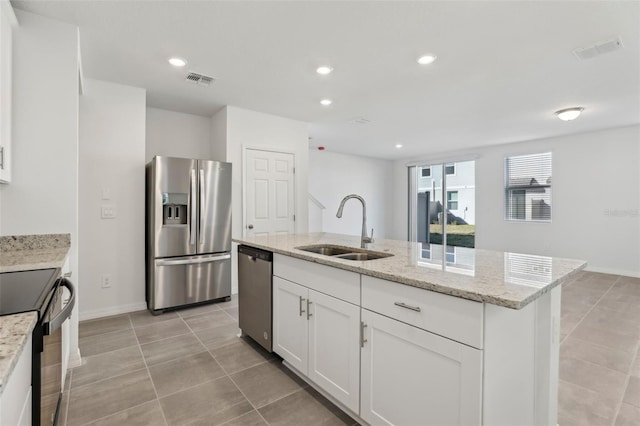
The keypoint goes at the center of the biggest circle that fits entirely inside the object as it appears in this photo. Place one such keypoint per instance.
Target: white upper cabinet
(7, 23)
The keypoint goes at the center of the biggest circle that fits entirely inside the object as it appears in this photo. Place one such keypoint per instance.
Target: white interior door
(269, 197)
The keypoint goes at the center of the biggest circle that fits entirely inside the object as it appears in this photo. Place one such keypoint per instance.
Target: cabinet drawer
(452, 317)
(335, 282)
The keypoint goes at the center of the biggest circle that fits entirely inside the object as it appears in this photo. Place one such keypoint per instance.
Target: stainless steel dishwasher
(255, 270)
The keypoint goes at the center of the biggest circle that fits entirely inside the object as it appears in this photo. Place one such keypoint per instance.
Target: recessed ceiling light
(326, 102)
(177, 62)
(569, 114)
(398, 145)
(426, 59)
(324, 70)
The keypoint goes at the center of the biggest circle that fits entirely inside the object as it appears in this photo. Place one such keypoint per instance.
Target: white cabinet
(7, 22)
(413, 377)
(319, 336)
(15, 402)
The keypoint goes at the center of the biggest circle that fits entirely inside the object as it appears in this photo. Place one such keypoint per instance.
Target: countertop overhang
(511, 280)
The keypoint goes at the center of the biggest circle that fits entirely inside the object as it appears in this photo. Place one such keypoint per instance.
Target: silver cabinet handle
(362, 339)
(309, 314)
(302, 299)
(404, 305)
(174, 262)
(194, 201)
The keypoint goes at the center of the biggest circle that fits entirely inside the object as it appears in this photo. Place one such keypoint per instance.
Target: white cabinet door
(413, 377)
(290, 333)
(334, 348)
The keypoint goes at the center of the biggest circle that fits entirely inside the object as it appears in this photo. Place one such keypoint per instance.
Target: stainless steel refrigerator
(188, 232)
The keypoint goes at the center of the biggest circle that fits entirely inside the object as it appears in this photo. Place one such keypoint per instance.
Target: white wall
(332, 176)
(175, 134)
(250, 129)
(112, 167)
(595, 200)
(43, 196)
(219, 135)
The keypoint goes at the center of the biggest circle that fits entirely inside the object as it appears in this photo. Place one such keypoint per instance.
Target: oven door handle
(55, 323)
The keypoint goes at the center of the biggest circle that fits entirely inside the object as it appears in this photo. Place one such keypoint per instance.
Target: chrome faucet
(365, 239)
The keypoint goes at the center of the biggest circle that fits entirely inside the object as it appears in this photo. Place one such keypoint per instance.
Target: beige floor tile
(607, 382)
(628, 416)
(107, 342)
(601, 355)
(64, 406)
(608, 320)
(304, 407)
(100, 399)
(583, 406)
(198, 310)
(106, 365)
(214, 319)
(622, 304)
(230, 304)
(182, 373)
(147, 414)
(104, 325)
(233, 312)
(266, 383)
(240, 355)
(252, 418)
(632, 394)
(216, 337)
(142, 318)
(635, 366)
(210, 403)
(162, 330)
(170, 349)
(604, 337)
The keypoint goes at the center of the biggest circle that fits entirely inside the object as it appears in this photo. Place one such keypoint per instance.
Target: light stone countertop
(512, 280)
(14, 332)
(24, 253)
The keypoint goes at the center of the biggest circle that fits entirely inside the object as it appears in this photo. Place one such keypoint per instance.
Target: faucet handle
(368, 239)
(371, 235)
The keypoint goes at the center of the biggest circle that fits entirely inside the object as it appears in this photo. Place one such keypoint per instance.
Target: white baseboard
(75, 360)
(613, 271)
(114, 310)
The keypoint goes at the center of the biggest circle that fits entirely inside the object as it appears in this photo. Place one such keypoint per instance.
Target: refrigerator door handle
(192, 224)
(202, 203)
(174, 262)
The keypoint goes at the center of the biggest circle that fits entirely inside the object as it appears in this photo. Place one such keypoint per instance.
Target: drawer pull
(309, 302)
(362, 339)
(302, 299)
(404, 305)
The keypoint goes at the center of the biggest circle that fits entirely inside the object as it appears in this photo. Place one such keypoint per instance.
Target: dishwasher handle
(254, 253)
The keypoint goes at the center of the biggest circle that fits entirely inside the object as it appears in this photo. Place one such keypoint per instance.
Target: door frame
(278, 150)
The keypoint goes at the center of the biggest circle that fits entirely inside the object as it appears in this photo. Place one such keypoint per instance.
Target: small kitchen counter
(511, 280)
(14, 333)
(24, 253)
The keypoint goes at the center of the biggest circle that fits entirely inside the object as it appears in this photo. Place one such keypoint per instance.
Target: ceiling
(503, 67)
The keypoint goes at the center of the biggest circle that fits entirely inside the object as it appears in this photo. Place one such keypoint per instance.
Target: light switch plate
(108, 212)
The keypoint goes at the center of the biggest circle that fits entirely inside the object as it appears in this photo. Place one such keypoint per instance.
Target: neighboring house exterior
(460, 197)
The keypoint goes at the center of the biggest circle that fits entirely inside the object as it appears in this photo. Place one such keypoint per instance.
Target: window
(450, 169)
(426, 172)
(452, 200)
(528, 187)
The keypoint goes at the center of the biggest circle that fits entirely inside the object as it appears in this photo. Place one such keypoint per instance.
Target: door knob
(250, 226)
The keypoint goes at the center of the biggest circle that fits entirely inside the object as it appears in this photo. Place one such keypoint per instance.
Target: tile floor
(189, 367)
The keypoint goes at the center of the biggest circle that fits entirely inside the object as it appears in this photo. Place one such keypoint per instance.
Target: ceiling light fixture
(324, 70)
(326, 102)
(398, 145)
(177, 62)
(426, 59)
(569, 114)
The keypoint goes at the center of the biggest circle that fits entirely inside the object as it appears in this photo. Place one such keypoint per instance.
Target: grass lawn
(457, 235)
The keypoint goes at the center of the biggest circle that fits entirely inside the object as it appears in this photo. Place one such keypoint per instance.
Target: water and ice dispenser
(175, 208)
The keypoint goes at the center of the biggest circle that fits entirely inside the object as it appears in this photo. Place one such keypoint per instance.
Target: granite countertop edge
(14, 333)
(429, 286)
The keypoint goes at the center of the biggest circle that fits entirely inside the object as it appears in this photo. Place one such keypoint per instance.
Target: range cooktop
(25, 291)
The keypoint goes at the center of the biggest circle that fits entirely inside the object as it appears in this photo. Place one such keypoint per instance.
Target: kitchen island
(428, 335)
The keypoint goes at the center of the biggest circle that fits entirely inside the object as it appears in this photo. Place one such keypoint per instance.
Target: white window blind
(528, 187)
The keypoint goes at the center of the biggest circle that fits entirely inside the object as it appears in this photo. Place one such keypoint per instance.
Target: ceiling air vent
(360, 120)
(598, 49)
(199, 79)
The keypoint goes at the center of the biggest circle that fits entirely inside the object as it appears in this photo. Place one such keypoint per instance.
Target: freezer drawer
(190, 279)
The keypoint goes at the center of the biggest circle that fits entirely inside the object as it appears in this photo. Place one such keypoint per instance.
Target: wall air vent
(199, 79)
(360, 120)
(598, 49)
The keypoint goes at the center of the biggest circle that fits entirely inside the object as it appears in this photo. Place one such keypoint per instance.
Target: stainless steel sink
(342, 252)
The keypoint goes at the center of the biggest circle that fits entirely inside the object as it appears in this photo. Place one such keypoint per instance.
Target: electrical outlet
(106, 281)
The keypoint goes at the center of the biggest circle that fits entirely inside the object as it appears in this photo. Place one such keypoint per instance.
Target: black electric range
(41, 291)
